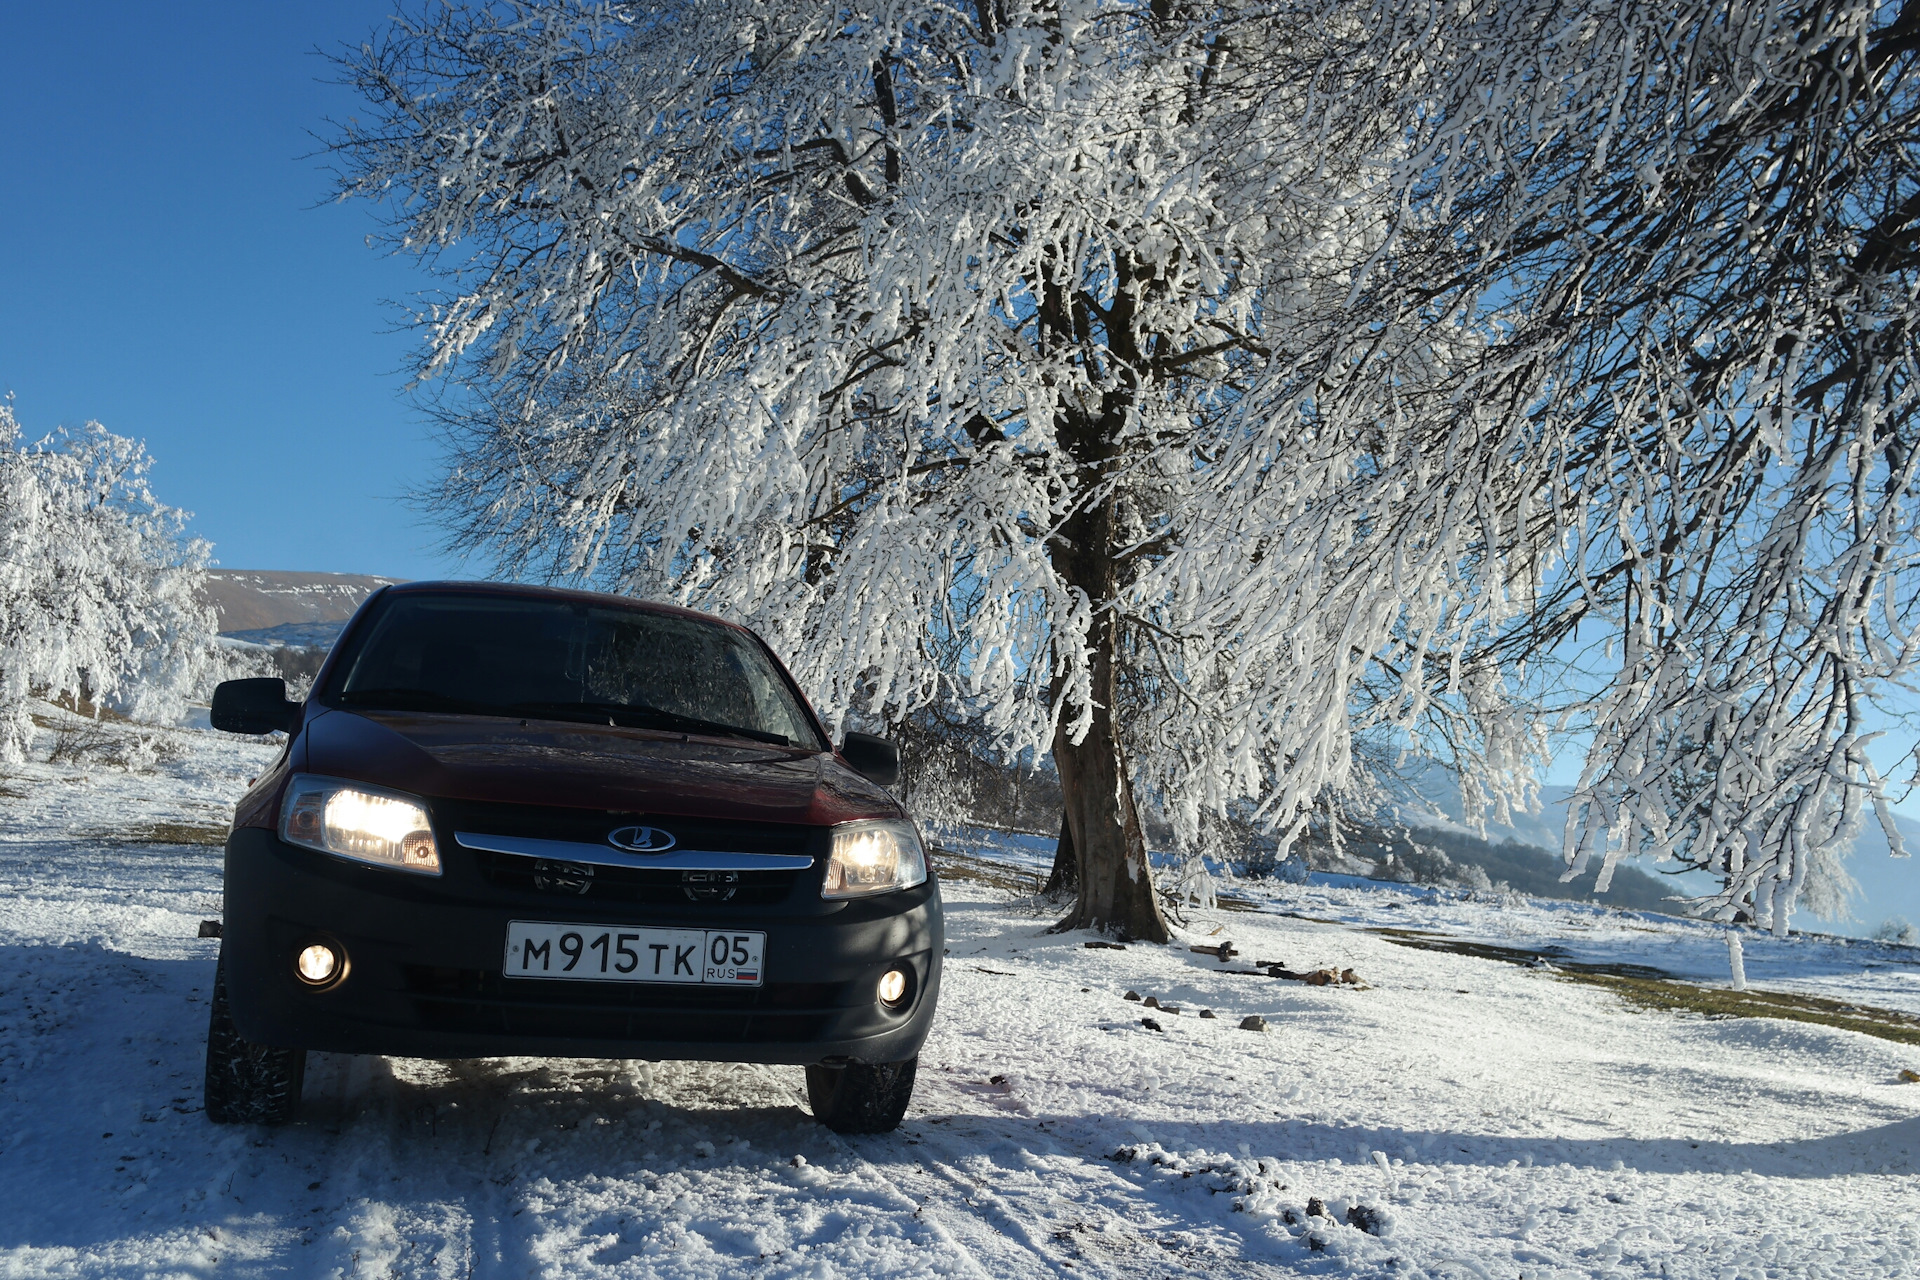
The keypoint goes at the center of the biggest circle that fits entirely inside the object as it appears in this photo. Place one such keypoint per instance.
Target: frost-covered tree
(1193, 386)
(99, 591)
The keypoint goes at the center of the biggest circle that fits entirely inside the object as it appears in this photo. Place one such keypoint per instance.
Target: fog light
(893, 987)
(317, 964)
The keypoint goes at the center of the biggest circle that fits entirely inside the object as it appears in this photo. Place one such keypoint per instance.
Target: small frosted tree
(1193, 386)
(99, 590)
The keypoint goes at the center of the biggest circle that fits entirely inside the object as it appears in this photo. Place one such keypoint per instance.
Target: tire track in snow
(588, 1173)
(1013, 1247)
(1013, 1242)
(997, 1230)
(419, 1189)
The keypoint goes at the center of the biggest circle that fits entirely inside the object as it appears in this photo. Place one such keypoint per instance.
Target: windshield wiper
(641, 716)
(417, 700)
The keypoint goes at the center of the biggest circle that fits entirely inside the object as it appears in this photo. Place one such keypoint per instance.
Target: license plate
(609, 953)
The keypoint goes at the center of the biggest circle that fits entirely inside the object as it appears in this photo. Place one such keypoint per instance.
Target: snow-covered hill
(1483, 1118)
(1888, 886)
(251, 600)
(1543, 828)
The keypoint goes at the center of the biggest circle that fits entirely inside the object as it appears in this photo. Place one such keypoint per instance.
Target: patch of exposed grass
(951, 864)
(1559, 957)
(204, 833)
(83, 706)
(1649, 988)
(1717, 1002)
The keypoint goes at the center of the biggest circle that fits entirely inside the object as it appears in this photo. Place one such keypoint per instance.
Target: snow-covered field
(1490, 1119)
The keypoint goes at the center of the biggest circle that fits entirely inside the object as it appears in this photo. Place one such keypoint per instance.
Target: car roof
(570, 595)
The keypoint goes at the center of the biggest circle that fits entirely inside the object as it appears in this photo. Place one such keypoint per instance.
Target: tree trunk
(1066, 863)
(1116, 884)
(1100, 818)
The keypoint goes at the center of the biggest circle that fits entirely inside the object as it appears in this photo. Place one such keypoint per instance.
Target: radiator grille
(633, 885)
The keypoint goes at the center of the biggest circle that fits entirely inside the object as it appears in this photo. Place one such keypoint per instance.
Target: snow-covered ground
(1491, 1119)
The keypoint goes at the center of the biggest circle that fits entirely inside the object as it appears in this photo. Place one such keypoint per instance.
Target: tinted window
(560, 660)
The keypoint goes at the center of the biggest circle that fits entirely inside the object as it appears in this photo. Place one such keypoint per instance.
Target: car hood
(549, 762)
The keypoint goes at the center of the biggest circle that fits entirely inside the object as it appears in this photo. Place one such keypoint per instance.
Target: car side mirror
(254, 707)
(874, 759)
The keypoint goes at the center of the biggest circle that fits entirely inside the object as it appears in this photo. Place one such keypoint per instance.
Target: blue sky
(173, 269)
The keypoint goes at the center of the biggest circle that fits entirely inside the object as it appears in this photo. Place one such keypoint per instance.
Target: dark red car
(517, 820)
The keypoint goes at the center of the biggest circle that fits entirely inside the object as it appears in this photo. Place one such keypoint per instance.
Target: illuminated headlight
(874, 857)
(348, 820)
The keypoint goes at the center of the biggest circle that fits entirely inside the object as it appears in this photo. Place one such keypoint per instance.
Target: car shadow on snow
(108, 1163)
(101, 1058)
(1892, 1148)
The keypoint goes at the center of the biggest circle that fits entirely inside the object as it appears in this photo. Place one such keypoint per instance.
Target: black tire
(859, 1098)
(247, 1083)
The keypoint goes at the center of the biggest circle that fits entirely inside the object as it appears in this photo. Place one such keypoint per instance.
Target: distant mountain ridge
(1887, 886)
(1542, 829)
(260, 601)
(292, 635)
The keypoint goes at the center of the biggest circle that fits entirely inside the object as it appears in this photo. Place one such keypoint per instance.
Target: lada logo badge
(641, 839)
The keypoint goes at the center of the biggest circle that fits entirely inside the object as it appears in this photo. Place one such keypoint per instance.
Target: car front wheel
(859, 1098)
(247, 1083)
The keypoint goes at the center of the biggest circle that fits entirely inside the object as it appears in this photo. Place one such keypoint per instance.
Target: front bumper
(425, 957)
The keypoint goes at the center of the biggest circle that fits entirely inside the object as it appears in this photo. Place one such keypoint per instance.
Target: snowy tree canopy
(1267, 374)
(99, 590)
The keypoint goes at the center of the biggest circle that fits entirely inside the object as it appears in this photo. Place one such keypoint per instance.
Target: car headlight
(873, 857)
(349, 820)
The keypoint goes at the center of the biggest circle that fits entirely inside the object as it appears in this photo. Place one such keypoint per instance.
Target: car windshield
(563, 660)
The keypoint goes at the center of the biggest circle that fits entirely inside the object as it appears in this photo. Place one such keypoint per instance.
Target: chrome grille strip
(605, 856)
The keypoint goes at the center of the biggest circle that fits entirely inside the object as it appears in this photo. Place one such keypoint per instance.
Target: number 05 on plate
(611, 953)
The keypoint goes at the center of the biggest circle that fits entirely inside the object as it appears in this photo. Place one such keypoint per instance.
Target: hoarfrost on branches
(99, 590)
(1195, 885)
(1199, 389)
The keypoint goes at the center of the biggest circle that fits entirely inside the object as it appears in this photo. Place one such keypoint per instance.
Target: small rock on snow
(1367, 1218)
(1150, 1024)
(1253, 1022)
